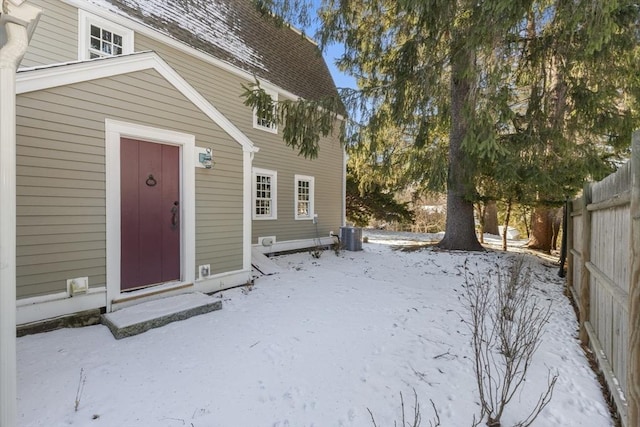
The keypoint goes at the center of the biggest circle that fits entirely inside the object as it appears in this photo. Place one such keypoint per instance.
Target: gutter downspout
(17, 23)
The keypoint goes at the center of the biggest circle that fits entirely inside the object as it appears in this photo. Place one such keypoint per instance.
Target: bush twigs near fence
(604, 279)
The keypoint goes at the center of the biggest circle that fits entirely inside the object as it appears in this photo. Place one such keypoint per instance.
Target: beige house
(140, 173)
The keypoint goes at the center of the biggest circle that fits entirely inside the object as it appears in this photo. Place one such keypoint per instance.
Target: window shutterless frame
(265, 194)
(304, 189)
(99, 37)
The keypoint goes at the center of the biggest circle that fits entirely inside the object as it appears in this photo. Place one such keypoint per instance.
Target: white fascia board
(35, 79)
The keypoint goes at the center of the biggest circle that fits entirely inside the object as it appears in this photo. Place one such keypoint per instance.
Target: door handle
(174, 215)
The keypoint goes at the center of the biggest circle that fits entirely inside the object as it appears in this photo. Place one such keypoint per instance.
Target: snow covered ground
(317, 345)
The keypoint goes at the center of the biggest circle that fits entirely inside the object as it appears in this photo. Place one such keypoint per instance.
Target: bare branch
(506, 322)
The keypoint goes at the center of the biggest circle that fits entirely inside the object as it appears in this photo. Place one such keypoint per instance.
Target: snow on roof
(235, 32)
(210, 21)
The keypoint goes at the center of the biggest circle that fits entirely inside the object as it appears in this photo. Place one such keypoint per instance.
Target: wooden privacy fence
(604, 278)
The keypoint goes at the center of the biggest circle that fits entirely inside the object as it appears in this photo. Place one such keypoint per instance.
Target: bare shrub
(506, 321)
(416, 419)
(429, 219)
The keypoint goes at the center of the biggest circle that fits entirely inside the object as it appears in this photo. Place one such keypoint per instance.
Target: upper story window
(265, 192)
(304, 190)
(264, 123)
(98, 37)
(104, 42)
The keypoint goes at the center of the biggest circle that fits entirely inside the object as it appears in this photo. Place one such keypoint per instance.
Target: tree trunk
(481, 208)
(526, 218)
(541, 229)
(460, 231)
(556, 222)
(505, 230)
(491, 218)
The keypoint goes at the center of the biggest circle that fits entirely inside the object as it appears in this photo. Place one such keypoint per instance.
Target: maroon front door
(150, 213)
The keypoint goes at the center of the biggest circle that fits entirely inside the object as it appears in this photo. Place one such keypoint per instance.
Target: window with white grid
(98, 37)
(264, 194)
(304, 189)
(103, 42)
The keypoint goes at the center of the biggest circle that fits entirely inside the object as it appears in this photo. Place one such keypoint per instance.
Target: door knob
(174, 214)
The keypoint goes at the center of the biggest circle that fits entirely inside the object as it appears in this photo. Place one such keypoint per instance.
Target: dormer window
(98, 37)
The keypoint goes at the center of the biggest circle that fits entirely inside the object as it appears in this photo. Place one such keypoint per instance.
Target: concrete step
(140, 318)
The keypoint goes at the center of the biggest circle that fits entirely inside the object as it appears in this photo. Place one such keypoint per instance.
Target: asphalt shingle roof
(235, 32)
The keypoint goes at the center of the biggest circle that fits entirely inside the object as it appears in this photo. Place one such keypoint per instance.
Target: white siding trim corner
(247, 208)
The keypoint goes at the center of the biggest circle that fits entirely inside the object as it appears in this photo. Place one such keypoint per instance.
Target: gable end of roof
(39, 78)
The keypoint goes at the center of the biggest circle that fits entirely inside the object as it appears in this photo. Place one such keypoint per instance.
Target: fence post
(633, 376)
(570, 260)
(585, 285)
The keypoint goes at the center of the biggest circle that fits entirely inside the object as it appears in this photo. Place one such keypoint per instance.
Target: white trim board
(40, 78)
(31, 310)
(294, 245)
(247, 208)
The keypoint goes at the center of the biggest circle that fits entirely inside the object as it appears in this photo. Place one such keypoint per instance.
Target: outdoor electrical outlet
(315, 218)
(204, 269)
(331, 233)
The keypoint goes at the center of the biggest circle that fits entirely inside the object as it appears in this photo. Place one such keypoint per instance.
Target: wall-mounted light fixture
(205, 158)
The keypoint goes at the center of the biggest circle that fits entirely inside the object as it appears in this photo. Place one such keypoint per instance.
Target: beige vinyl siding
(224, 90)
(327, 171)
(61, 178)
(55, 39)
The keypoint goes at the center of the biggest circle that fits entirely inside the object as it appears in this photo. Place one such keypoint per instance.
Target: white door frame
(114, 131)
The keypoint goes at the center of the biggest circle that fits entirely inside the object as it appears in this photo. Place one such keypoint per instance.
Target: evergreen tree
(457, 85)
(372, 202)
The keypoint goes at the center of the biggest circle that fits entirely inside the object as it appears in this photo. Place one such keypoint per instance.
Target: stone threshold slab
(140, 318)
